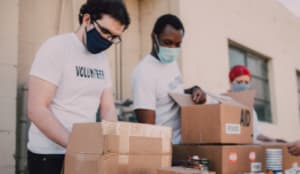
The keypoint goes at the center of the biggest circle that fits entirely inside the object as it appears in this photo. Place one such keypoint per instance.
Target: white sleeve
(48, 63)
(107, 70)
(144, 91)
(256, 130)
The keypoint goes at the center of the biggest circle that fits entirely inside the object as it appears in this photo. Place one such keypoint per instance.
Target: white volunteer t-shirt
(152, 81)
(80, 78)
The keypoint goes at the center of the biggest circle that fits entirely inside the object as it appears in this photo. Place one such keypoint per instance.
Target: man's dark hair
(167, 19)
(114, 8)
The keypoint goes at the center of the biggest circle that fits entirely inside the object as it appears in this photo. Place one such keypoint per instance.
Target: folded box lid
(126, 129)
(241, 99)
(247, 98)
(123, 138)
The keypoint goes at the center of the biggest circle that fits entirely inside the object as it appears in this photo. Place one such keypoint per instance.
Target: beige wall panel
(8, 79)
(130, 47)
(7, 113)
(7, 161)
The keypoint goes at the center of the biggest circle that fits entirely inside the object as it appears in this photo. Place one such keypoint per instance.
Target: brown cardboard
(145, 164)
(247, 98)
(179, 170)
(90, 163)
(125, 129)
(112, 147)
(120, 137)
(224, 159)
(226, 123)
(251, 158)
(287, 158)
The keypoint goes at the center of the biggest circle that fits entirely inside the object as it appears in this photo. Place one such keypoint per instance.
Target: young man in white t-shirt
(69, 80)
(158, 74)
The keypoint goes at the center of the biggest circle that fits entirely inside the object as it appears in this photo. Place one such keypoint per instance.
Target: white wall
(264, 26)
(9, 18)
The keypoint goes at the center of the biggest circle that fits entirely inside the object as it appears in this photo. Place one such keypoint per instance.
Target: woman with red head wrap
(240, 80)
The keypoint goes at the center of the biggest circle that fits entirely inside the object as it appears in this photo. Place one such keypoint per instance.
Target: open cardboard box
(224, 159)
(227, 122)
(118, 147)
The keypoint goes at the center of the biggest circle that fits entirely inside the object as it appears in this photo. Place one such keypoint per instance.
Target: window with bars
(258, 65)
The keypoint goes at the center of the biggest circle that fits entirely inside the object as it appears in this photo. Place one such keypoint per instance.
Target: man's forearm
(264, 138)
(50, 126)
(109, 115)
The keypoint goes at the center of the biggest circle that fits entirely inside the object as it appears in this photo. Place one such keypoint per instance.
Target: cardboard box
(224, 159)
(179, 170)
(251, 158)
(228, 122)
(77, 163)
(117, 147)
(287, 159)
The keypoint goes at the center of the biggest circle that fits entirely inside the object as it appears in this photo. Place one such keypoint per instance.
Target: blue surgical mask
(95, 43)
(167, 55)
(236, 87)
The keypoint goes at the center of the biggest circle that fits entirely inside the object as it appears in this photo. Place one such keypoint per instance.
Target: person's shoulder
(59, 40)
(55, 46)
(146, 67)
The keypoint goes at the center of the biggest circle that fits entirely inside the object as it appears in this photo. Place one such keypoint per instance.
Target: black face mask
(95, 43)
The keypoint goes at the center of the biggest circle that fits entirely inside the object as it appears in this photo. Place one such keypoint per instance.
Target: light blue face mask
(236, 87)
(167, 55)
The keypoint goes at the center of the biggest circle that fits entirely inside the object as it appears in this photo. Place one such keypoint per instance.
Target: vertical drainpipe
(22, 126)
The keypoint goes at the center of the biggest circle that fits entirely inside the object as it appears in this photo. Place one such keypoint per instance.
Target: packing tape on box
(166, 161)
(123, 159)
(138, 130)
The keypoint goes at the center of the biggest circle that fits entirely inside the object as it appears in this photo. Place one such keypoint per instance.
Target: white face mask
(167, 55)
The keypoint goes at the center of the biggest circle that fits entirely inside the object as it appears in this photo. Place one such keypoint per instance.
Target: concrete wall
(264, 26)
(9, 17)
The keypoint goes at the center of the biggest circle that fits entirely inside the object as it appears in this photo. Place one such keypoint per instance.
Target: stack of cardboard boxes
(221, 133)
(118, 147)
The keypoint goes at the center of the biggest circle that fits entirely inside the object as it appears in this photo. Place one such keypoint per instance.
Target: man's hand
(294, 148)
(198, 95)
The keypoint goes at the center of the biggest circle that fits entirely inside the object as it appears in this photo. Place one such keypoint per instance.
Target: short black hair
(114, 8)
(167, 19)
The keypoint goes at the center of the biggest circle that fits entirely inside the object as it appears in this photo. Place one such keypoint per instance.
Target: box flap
(126, 130)
(246, 98)
(136, 129)
(182, 99)
(225, 99)
(86, 138)
(119, 137)
(142, 145)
